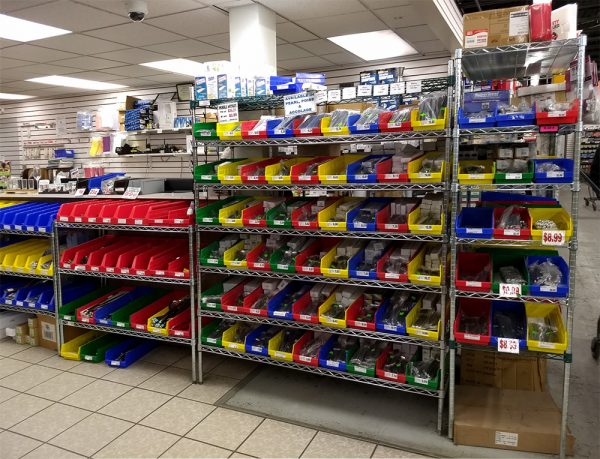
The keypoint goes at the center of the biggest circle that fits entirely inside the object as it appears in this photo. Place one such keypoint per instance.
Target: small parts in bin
(431, 209)
(512, 165)
(367, 214)
(431, 106)
(511, 109)
(399, 357)
(550, 105)
(312, 347)
(373, 252)
(250, 242)
(428, 316)
(269, 288)
(224, 244)
(291, 249)
(546, 274)
(427, 368)
(473, 169)
(399, 116)
(312, 121)
(290, 298)
(431, 261)
(344, 251)
(508, 323)
(548, 166)
(368, 117)
(339, 118)
(401, 303)
(217, 333)
(288, 340)
(511, 275)
(369, 166)
(344, 297)
(272, 243)
(265, 336)
(371, 303)
(432, 164)
(342, 209)
(397, 263)
(367, 353)
(403, 154)
(310, 213)
(511, 219)
(340, 348)
(175, 307)
(475, 324)
(545, 224)
(543, 329)
(399, 209)
(318, 295)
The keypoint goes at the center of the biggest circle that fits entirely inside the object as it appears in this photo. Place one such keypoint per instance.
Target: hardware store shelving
(442, 187)
(511, 62)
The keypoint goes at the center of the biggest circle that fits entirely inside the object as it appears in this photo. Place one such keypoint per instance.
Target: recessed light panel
(21, 30)
(372, 46)
(182, 66)
(6, 96)
(69, 82)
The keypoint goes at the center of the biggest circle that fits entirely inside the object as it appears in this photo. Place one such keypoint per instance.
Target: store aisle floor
(55, 408)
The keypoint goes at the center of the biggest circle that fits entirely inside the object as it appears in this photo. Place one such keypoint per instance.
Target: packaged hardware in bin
(432, 112)
(368, 122)
(257, 341)
(176, 312)
(393, 265)
(399, 163)
(281, 347)
(284, 258)
(428, 217)
(426, 267)
(336, 262)
(234, 337)
(396, 121)
(236, 256)
(548, 276)
(363, 265)
(257, 295)
(283, 214)
(391, 316)
(424, 320)
(512, 222)
(336, 170)
(363, 361)
(550, 219)
(308, 348)
(361, 313)
(282, 303)
(338, 122)
(335, 216)
(545, 328)
(255, 171)
(509, 321)
(311, 125)
(212, 333)
(306, 309)
(337, 351)
(333, 311)
(259, 258)
(393, 362)
(308, 171)
(555, 170)
(394, 216)
(428, 168)
(256, 215)
(425, 372)
(309, 261)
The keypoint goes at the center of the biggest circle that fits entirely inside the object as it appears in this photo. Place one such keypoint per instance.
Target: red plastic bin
(253, 257)
(249, 172)
(568, 116)
(382, 219)
(248, 131)
(72, 257)
(303, 359)
(139, 319)
(318, 246)
(470, 263)
(298, 171)
(383, 169)
(389, 375)
(249, 215)
(299, 307)
(228, 299)
(389, 277)
(520, 234)
(308, 224)
(384, 124)
(181, 325)
(477, 307)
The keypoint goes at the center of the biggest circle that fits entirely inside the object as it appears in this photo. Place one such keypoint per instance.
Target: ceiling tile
(71, 16)
(429, 46)
(133, 56)
(304, 63)
(34, 53)
(4, 43)
(135, 34)
(280, 41)
(319, 47)
(18, 74)
(6, 63)
(169, 78)
(343, 58)
(211, 57)
(47, 69)
(307, 9)
(7, 6)
(155, 7)
(292, 33)
(134, 82)
(288, 51)
(20, 85)
(75, 43)
(95, 75)
(201, 22)
(415, 33)
(184, 48)
(406, 16)
(377, 4)
(220, 39)
(134, 71)
(88, 63)
(227, 4)
(343, 24)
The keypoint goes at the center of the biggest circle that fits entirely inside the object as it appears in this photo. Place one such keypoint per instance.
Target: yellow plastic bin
(557, 214)
(325, 216)
(414, 168)
(328, 131)
(226, 214)
(228, 342)
(273, 172)
(275, 344)
(551, 312)
(485, 177)
(331, 322)
(229, 254)
(71, 349)
(436, 124)
(227, 173)
(326, 269)
(414, 331)
(229, 131)
(415, 228)
(425, 279)
(42, 271)
(334, 171)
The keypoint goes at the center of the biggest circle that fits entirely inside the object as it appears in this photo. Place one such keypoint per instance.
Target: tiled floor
(52, 408)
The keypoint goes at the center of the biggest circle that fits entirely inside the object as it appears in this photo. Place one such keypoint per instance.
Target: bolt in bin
(318, 248)
(382, 274)
(139, 319)
(355, 262)
(185, 314)
(354, 310)
(299, 171)
(336, 170)
(326, 216)
(208, 327)
(299, 312)
(299, 346)
(121, 317)
(396, 376)
(276, 301)
(512, 233)
(352, 215)
(250, 173)
(538, 318)
(561, 289)
(253, 347)
(509, 314)
(332, 321)
(326, 362)
(420, 332)
(353, 169)
(360, 369)
(128, 352)
(273, 171)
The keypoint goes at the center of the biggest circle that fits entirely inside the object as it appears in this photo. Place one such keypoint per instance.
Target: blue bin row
(29, 216)
(496, 120)
(128, 352)
(39, 294)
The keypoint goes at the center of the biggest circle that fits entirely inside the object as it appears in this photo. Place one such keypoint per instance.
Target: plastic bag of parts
(430, 107)
(545, 274)
(511, 219)
(542, 329)
(368, 117)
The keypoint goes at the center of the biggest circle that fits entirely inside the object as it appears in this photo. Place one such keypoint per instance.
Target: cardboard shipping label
(518, 23)
(506, 438)
(476, 38)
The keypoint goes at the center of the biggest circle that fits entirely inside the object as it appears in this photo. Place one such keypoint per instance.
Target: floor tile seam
(96, 377)
(82, 387)
(12, 356)
(54, 446)
(97, 410)
(196, 425)
(250, 434)
(308, 444)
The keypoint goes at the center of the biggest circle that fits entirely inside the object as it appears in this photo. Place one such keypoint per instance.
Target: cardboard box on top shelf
(508, 419)
(503, 371)
(127, 103)
(504, 26)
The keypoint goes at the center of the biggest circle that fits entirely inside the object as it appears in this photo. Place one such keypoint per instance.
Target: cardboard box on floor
(48, 332)
(504, 26)
(508, 419)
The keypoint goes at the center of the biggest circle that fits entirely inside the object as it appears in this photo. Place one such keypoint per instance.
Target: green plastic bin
(94, 350)
(216, 289)
(209, 214)
(207, 260)
(207, 330)
(207, 173)
(69, 311)
(205, 131)
(508, 177)
(120, 318)
(277, 266)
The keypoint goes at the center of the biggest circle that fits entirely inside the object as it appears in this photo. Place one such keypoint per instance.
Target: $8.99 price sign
(508, 345)
(510, 290)
(553, 237)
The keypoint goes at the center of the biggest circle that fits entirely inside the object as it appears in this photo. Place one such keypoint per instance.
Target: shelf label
(304, 358)
(78, 192)
(476, 176)
(391, 226)
(389, 374)
(259, 265)
(211, 340)
(333, 363)
(474, 230)
(397, 88)
(425, 227)
(362, 176)
(334, 271)
(305, 317)
(254, 133)
(305, 178)
(473, 284)
(306, 131)
(334, 95)
(349, 93)
(510, 290)
(392, 276)
(381, 89)
(423, 381)
(94, 192)
(277, 178)
(132, 192)
(513, 176)
(335, 129)
(284, 267)
(279, 222)
(507, 438)
(508, 345)
(424, 174)
(308, 269)
(476, 120)
(231, 308)
(413, 86)
(257, 348)
(553, 237)
(472, 337)
(557, 113)
(548, 129)
(548, 288)
(237, 262)
(360, 225)
(254, 311)
(254, 221)
(512, 232)
(299, 104)
(360, 324)
(303, 223)
(228, 113)
(555, 174)
(138, 222)
(358, 369)
(362, 274)
(364, 90)
(121, 324)
(205, 133)
(332, 177)
(279, 313)
(115, 363)
(281, 355)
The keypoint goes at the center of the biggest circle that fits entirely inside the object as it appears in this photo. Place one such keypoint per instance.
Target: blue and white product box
(484, 100)
(222, 86)
(388, 103)
(368, 77)
(250, 86)
(260, 86)
(387, 76)
(317, 78)
(212, 88)
(237, 86)
(200, 87)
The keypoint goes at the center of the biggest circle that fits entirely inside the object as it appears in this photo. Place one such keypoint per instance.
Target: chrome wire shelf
(522, 353)
(110, 227)
(496, 296)
(24, 274)
(532, 129)
(504, 242)
(155, 279)
(321, 279)
(326, 372)
(158, 131)
(383, 336)
(127, 332)
(514, 186)
(360, 138)
(520, 60)
(26, 232)
(14, 307)
(322, 187)
(323, 233)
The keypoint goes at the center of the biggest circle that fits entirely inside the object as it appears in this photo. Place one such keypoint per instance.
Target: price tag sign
(510, 290)
(321, 97)
(349, 93)
(381, 89)
(364, 90)
(228, 113)
(131, 192)
(80, 192)
(74, 173)
(413, 86)
(299, 104)
(508, 345)
(397, 88)
(334, 95)
(553, 237)
(94, 192)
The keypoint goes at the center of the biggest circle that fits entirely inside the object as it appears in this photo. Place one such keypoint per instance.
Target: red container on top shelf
(139, 319)
(298, 171)
(96, 258)
(116, 212)
(249, 172)
(299, 310)
(520, 234)
(72, 257)
(568, 116)
(384, 124)
(74, 212)
(139, 213)
(253, 257)
(473, 307)
(93, 209)
(175, 215)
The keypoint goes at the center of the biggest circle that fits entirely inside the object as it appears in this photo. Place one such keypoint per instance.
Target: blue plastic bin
(372, 128)
(96, 182)
(565, 176)
(101, 315)
(64, 153)
(516, 119)
(135, 349)
(372, 226)
(32, 300)
(330, 364)
(253, 348)
(380, 326)
(561, 290)
(465, 122)
(516, 309)
(273, 133)
(278, 298)
(356, 260)
(475, 222)
(10, 283)
(352, 169)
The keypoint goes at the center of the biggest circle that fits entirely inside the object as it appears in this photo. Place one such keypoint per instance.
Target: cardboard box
(502, 371)
(505, 26)
(33, 341)
(508, 419)
(48, 333)
(22, 329)
(33, 323)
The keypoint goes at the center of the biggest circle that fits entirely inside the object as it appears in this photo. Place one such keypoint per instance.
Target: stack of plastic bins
(71, 258)
(95, 350)
(473, 272)
(128, 352)
(326, 362)
(24, 217)
(178, 213)
(72, 212)
(473, 308)
(335, 171)
(71, 349)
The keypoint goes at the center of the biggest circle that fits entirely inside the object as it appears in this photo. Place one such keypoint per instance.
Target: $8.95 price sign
(508, 345)
(553, 237)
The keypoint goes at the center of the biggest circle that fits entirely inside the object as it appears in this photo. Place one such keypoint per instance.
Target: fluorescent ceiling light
(372, 46)
(69, 82)
(21, 30)
(6, 96)
(183, 66)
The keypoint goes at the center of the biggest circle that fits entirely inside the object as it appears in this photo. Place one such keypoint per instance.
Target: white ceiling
(106, 46)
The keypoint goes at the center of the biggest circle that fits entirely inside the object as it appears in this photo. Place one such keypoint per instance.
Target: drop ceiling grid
(113, 46)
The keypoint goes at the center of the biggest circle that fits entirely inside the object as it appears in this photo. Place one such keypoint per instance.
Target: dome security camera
(136, 10)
